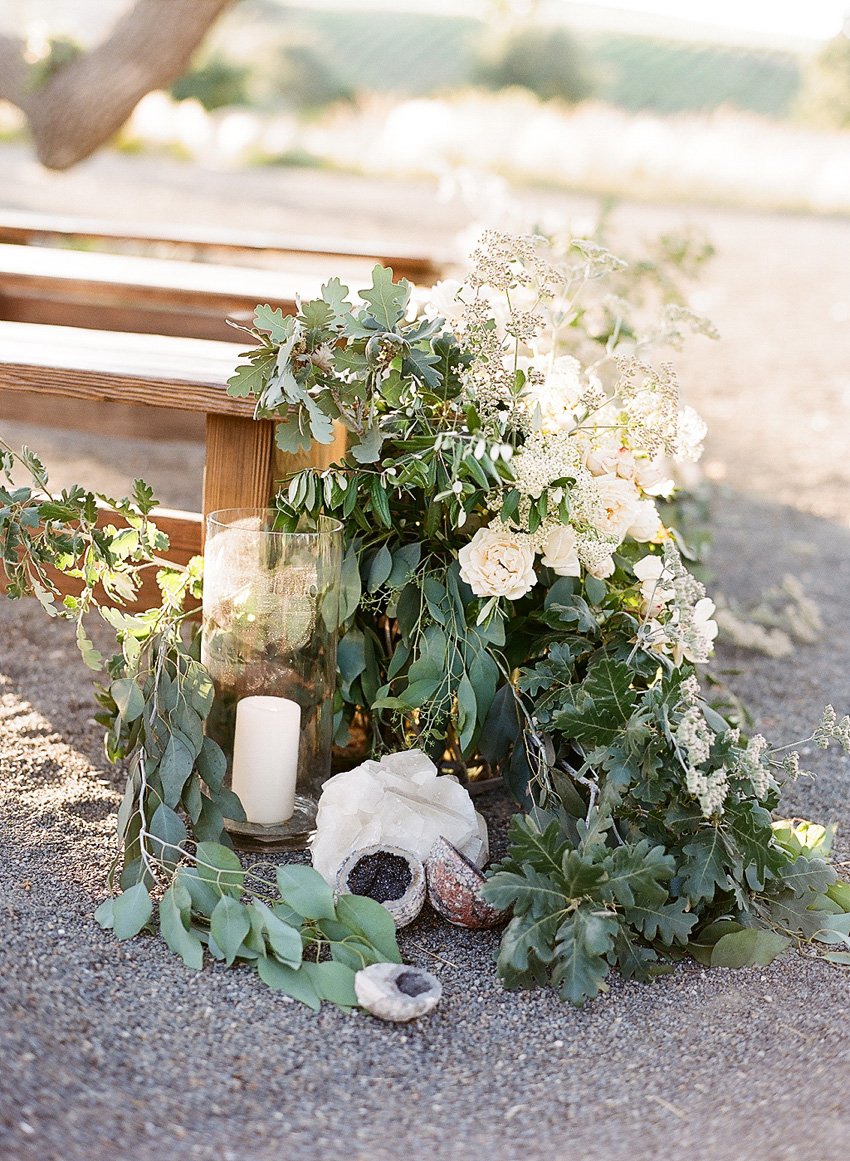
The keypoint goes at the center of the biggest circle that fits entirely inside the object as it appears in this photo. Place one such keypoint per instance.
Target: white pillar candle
(265, 757)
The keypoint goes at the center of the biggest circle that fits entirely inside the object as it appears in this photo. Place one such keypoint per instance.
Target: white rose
(498, 563)
(553, 403)
(646, 523)
(625, 464)
(602, 569)
(602, 457)
(692, 430)
(617, 508)
(559, 552)
(649, 572)
(443, 301)
(652, 477)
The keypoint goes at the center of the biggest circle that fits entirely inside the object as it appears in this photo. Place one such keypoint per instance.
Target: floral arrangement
(513, 598)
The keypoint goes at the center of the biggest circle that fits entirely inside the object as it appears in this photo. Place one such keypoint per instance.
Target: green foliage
(624, 868)
(154, 703)
(216, 81)
(305, 78)
(547, 60)
(676, 76)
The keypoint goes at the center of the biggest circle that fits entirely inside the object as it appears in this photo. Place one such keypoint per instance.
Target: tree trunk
(88, 100)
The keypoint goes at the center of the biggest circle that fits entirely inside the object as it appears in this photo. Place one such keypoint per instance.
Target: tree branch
(88, 100)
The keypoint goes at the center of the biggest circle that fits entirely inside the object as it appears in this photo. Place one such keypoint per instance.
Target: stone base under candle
(291, 835)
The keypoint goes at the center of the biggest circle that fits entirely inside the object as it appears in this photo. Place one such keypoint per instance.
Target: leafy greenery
(300, 940)
(620, 869)
(650, 832)
(154, 702)
(510, 600)
(216, 82)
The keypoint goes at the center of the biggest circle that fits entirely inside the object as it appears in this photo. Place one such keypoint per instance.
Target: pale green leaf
(333, 982)
(229, 924)
(175, 916)
(305, 891)
(372, 923)
(131, 911)
(291, 981)
(749, 947)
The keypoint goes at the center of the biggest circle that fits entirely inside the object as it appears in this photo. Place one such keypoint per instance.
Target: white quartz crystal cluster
(398, 802)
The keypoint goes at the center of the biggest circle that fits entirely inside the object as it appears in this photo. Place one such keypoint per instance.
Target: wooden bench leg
(239, 466)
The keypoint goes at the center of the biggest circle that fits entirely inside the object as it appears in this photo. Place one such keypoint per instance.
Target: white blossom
(710, 789)
(694, 736)
(560, 552)
(615, 509)
(690, 435)
(646, 523)
(498, 562)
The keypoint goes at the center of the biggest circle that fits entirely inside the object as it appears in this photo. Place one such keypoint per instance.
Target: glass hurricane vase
(270, 619)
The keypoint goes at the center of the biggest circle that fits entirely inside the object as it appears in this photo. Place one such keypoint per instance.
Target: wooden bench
(123, 292)
(127, 293)
(55, 364)
(327, 256)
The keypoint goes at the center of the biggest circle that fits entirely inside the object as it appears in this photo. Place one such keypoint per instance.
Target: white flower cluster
(669, 590)
(710, 789)
(603, 454)
(831, 729)
(650, 399)
(694, 736)
(751, 766)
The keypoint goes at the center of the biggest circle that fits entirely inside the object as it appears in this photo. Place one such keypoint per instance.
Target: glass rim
(219, 520)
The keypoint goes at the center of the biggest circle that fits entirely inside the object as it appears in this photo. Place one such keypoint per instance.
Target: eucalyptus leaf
(174, 924)
(131, 911)
(167, 833)
(176, 765)
(305, 891)
(285, 940)
(220, 867)
(292, 982)
(229, 924)
(372, 923)
(128, 697)
(334, 982)
(212, 764)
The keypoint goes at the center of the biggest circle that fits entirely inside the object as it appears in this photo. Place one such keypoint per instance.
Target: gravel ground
(112, 1049)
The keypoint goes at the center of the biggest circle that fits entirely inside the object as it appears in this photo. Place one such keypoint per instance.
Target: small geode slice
(394, 991)
(454, 888)
(390, 876)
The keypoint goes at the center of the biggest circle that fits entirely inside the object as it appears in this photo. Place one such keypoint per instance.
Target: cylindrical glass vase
(271, 613)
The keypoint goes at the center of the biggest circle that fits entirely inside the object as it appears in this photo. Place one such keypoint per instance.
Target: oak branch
(86, 101)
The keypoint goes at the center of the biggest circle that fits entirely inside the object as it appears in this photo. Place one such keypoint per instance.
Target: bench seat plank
(26, 228)
(126, 293)
(110, 367)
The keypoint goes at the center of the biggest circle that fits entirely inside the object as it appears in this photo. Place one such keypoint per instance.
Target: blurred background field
(746, 103)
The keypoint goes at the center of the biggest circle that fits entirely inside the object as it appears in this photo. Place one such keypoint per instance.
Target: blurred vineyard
(399, 91)
(414, 54)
